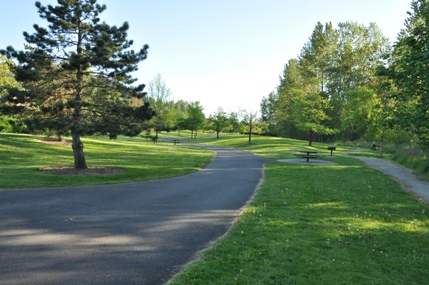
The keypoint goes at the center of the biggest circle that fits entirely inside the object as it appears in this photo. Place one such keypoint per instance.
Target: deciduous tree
(159, 99)
(248, 118)
(408, 70)
(358, 112)
(195, 119)
(219, 121)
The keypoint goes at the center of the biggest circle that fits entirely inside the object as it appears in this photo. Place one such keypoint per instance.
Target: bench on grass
(175, 141)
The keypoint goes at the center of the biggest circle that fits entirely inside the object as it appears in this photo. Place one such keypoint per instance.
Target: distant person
(374, 146)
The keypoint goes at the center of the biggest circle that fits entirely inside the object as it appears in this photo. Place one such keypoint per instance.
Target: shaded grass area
(342, 224)
(22, 155)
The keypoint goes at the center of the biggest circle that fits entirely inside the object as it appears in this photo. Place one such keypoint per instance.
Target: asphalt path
(403, 175)
(134, 233)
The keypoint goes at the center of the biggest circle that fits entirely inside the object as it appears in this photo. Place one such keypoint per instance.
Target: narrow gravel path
(401, 174)
(135, 233)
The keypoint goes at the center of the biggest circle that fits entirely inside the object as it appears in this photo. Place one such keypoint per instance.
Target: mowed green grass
(21, 157)
(341, 224)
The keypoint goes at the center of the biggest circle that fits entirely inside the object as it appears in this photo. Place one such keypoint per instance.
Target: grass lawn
(22, 155)
(341, 224)
(307, 224)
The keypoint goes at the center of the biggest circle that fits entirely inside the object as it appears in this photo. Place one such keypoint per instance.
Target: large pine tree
(76, 77)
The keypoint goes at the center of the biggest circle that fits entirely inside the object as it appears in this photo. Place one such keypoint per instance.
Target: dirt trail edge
(401, 174)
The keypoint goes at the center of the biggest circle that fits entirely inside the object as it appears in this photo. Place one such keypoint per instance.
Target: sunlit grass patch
(23, 155)
(343, 224)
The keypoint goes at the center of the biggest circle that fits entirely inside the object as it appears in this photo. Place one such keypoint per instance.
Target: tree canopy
(75, 75)
(311, 99)
(407, 69)
(195, 118)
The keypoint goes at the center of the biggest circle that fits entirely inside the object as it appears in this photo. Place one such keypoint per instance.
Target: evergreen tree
(76, 72)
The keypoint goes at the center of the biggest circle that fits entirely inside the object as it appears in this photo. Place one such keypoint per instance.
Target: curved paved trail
(135, 233)
(402, 174)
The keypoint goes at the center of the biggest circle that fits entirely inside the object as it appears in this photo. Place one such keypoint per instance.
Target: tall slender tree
(88, 64)
(408, 70)
(311, 102)
(268, 112)
(159, 99)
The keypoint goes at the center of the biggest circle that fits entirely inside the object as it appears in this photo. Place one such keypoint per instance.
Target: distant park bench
(175, 141)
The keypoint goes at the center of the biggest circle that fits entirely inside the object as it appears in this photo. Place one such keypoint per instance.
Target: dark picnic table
(308, 154)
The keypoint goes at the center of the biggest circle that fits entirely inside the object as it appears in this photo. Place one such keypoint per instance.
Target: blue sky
(227, 53)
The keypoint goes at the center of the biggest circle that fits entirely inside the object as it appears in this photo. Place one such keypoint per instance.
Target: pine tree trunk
(79, 157)
(250, 131)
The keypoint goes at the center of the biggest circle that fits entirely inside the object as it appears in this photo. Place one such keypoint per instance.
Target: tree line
(181, 115)
(349, 83)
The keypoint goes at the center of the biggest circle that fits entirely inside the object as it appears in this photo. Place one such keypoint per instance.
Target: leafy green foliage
(166, 112)
(357, 112)
(7, 79)
(408, 70)
(219, 121)
(311, 97)
(268, 113)
(195, 118)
